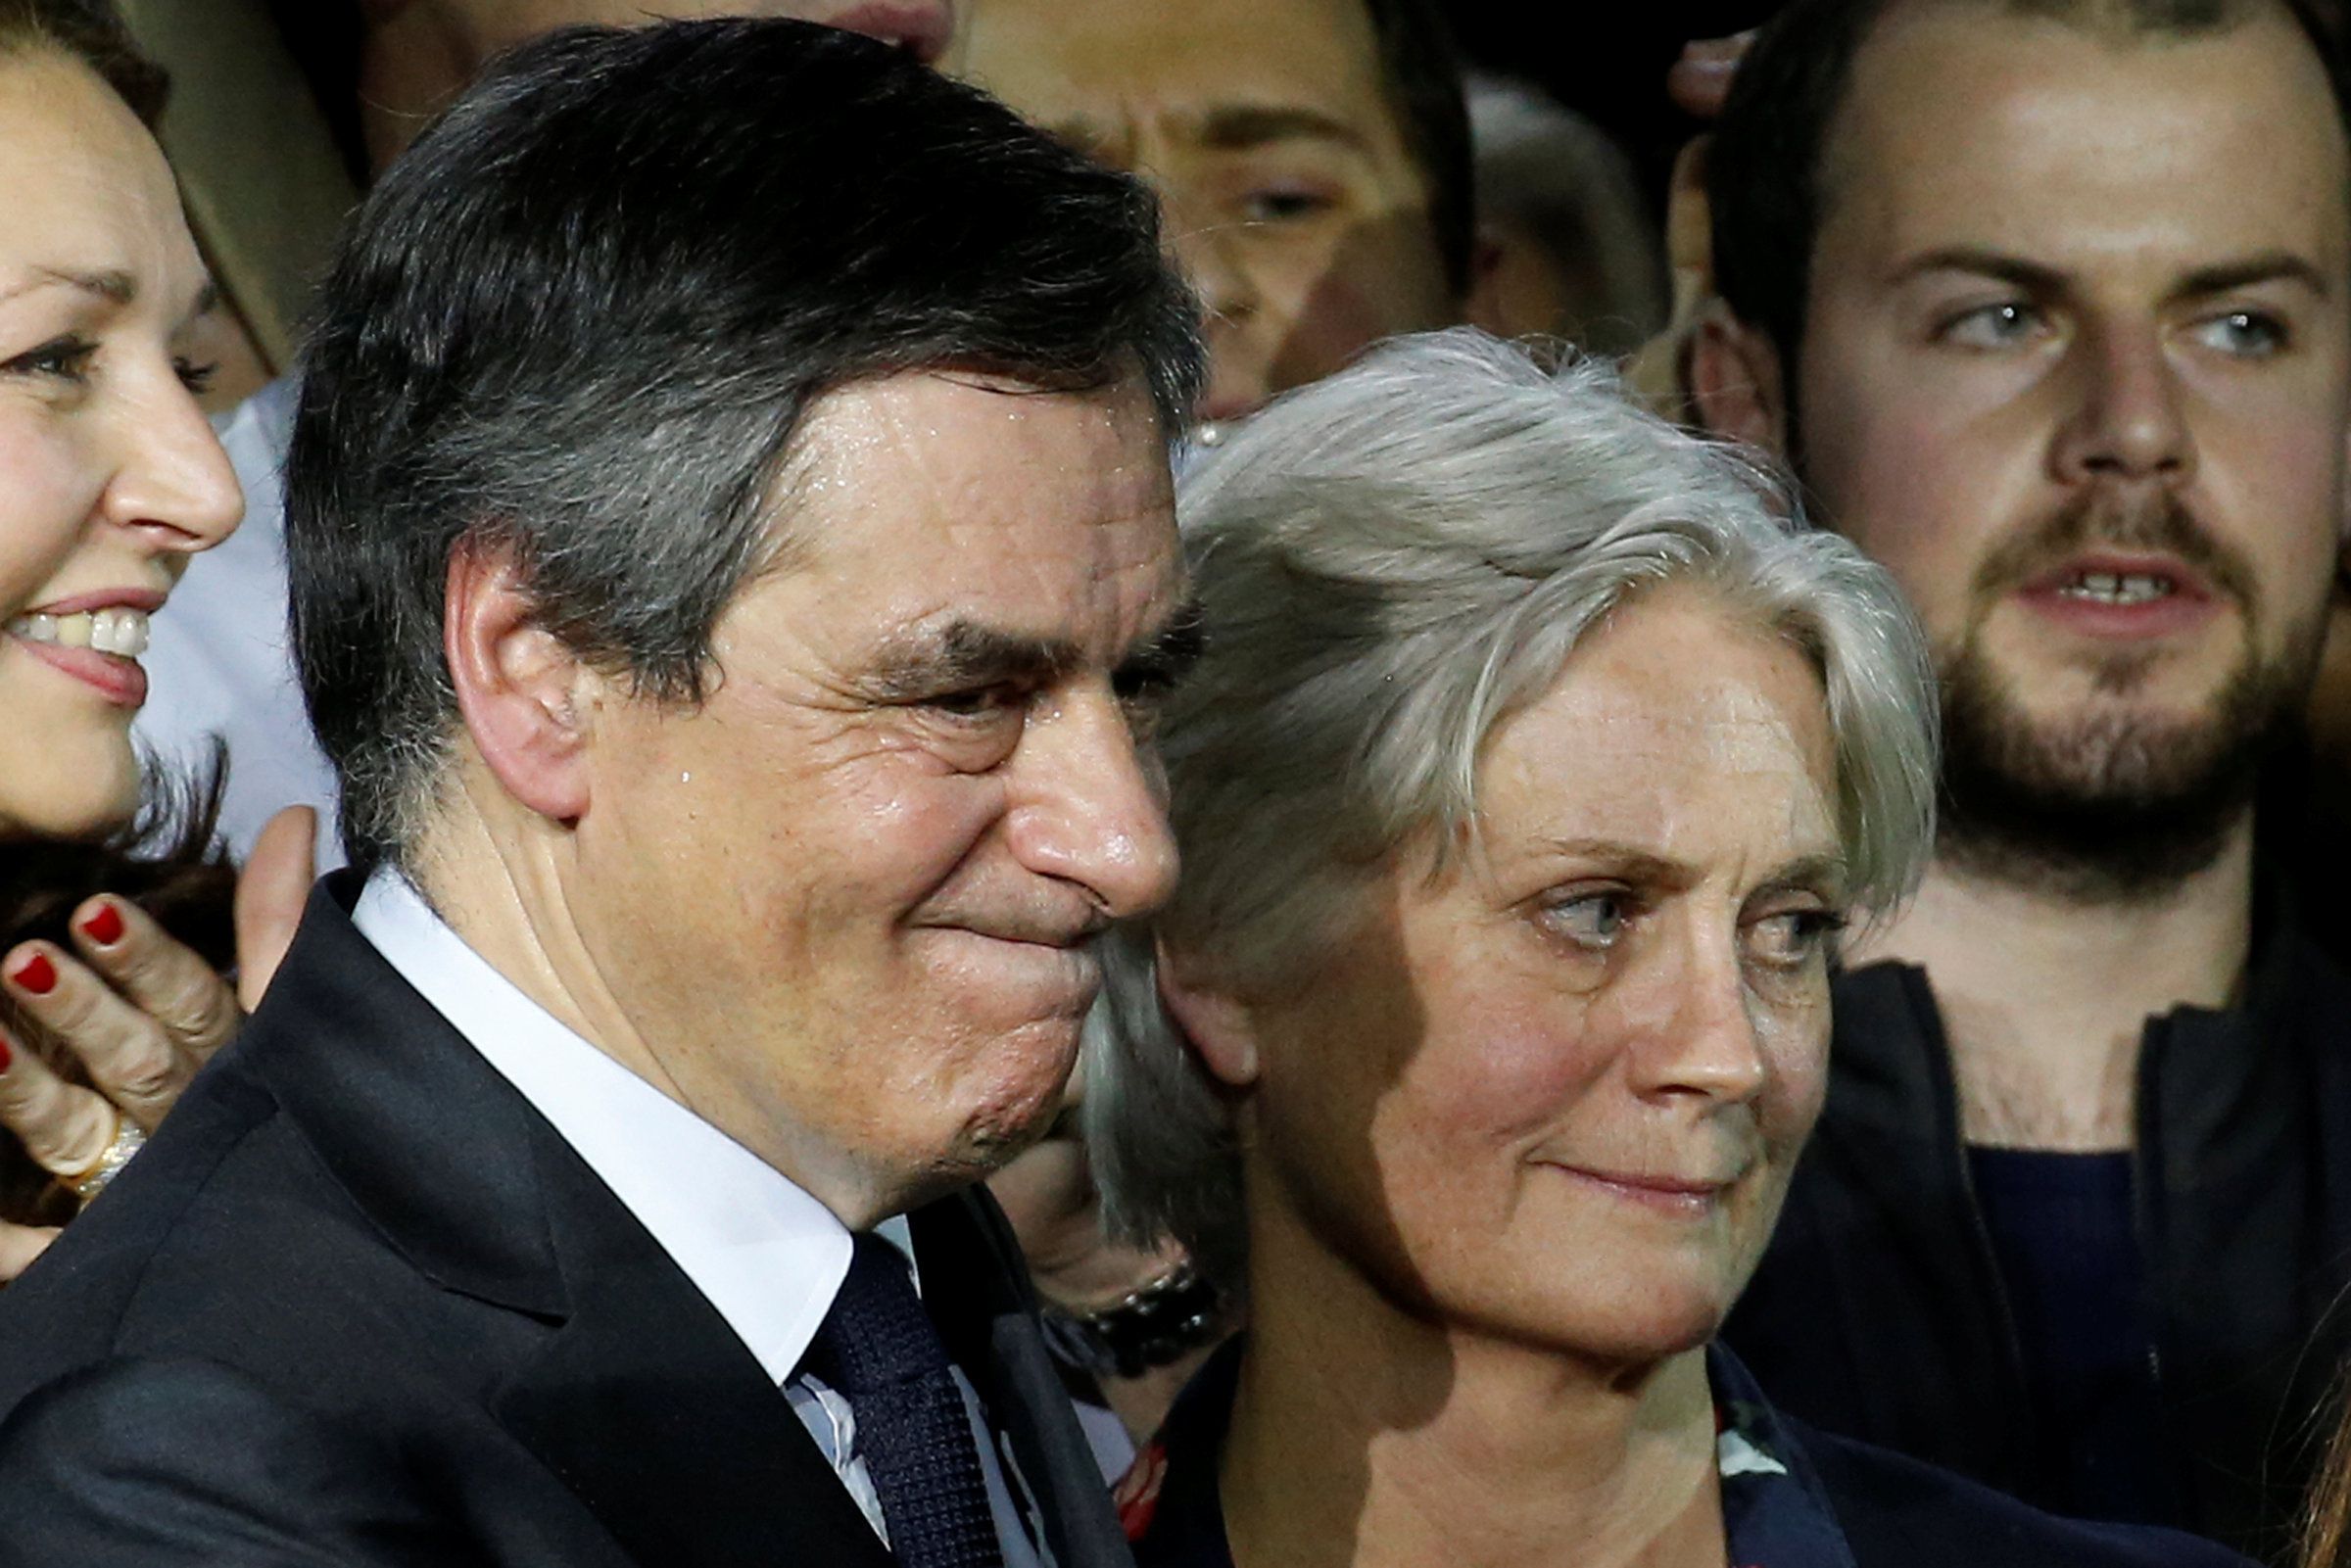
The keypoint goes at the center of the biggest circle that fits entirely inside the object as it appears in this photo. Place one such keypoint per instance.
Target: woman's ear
(1737, 383)
(1216, 1022)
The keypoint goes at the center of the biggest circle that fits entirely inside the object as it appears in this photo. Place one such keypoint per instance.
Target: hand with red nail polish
(140, 1010)
(103, 925)
(64, 1126)
(35, 976)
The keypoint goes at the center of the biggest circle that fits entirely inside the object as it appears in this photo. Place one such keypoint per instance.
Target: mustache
(2156, 520)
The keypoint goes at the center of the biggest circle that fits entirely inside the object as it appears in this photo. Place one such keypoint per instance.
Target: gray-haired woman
(1533, 767)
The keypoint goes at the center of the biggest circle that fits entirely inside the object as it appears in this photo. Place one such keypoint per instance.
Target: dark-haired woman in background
(110, 478)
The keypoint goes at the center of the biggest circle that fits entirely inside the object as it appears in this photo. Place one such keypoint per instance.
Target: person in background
(416, 56)
(1312, 158)
(1534, 760)
(1572, 248)
(109, 480)
(2048, 307)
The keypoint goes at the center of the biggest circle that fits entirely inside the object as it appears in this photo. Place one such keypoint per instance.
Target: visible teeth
(120, 632)
(2108, 588)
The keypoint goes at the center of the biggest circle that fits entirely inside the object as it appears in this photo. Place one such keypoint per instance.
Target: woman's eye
(59, 358)
(197, 378)
(1283, 205)
(1796, 936)
(1590, 919)
(2000, 325)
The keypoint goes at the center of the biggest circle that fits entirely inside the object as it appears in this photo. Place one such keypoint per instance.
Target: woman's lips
(96, 639)
(1676, 1196)
(115, 678)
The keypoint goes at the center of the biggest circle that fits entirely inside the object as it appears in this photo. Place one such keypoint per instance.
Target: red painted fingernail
(4, 1057)
(37, 975)
(104, 927)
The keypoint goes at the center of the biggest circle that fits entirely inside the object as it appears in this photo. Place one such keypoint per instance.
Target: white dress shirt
(765, 1254)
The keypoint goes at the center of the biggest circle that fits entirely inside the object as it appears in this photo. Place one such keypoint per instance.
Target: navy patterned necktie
(879, 1348)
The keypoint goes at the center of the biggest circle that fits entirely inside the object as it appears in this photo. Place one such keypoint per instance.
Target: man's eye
(978, 703)
(2002, 326)
(2246, 334)
(197, 378)
(1591, 921)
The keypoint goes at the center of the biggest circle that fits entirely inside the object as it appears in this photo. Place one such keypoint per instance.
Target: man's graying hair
(579, 322)
(1389, 563)
(1764, 165)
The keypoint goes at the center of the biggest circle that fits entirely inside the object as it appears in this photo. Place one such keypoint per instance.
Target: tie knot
(877, 1334)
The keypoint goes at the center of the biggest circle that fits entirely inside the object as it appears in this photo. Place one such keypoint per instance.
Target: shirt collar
(765, 1254)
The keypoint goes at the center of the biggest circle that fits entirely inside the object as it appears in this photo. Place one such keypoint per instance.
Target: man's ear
(1737, 383)
(522, 694)
(1216, 1021)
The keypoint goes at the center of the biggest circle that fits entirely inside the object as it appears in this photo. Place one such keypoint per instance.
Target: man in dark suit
(733, 569)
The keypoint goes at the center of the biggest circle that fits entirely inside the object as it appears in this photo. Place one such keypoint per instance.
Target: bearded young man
(2046, 303)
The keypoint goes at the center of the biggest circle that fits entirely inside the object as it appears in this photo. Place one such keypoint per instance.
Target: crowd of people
(1113, 785)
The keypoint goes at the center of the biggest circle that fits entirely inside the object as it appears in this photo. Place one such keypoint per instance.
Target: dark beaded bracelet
(1151, 1326)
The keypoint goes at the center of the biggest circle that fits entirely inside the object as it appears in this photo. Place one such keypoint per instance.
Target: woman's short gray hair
(1388, 563)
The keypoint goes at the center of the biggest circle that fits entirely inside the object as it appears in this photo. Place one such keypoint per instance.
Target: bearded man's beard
(2112, 806)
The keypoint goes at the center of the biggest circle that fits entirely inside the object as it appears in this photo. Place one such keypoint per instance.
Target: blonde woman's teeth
(118, 632)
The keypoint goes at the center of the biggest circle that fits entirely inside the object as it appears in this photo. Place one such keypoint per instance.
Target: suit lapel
(642, 1399)
(978, 1294)
(660, 1421)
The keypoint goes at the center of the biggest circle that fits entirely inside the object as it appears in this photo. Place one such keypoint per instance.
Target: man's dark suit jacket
(359, 1303)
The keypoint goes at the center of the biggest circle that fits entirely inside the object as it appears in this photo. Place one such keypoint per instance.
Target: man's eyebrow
(1168, 654)
(2267, 266)
(1239, 127)
(2031, 276)
(965, 654)
(2270, 266)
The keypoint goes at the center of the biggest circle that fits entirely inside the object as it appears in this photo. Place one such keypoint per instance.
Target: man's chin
(2114, 801)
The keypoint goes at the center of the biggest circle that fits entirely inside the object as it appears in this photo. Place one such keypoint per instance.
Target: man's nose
(2126, 420)
(1089, 810)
